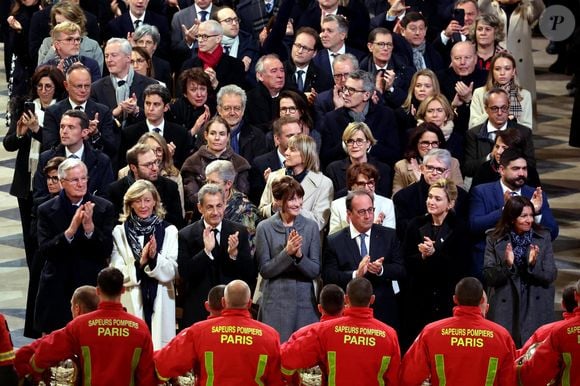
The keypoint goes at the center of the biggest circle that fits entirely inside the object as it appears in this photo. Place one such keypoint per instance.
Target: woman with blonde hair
(145, 250)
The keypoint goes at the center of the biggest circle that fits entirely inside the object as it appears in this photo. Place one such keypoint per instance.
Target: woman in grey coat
(519, 271)
(288, 254)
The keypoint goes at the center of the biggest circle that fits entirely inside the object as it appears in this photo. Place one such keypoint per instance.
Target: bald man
(232, 349)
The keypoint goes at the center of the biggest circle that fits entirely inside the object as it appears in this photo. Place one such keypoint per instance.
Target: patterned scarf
(520, 245)
(515, 98)
(418, 59)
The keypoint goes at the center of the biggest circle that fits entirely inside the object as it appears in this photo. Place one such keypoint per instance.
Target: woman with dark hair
(145, 250)
(519, 271)
(424, 138)
(141, 62)
(196, 105)
(292, 104)
(288, 255)
(487, 33)
(435, 260)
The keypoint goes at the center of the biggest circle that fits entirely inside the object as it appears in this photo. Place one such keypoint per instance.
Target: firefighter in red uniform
(114, 347)
(558, 357)
(355, 349)
(464, 349)
(213, 304)
(7, 373)
(229, 350)
(569, 303)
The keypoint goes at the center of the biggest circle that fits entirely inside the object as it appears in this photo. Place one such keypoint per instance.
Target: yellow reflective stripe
(440, 368)
(567, 357)
(262, 362)
(33, 365)
(134, 363)
(160, 377)
(7, 356)
(287, 371)
(331, 356)
(491, 371)
(86, 353)
(385, 361)
(208, 356)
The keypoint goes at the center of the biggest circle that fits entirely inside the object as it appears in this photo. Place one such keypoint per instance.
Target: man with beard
(487, 201)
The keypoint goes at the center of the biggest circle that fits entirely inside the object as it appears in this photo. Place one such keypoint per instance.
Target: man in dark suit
(284, 128)
(129, 21)
(358, 106)
(103, 134)
(74, 126)
(487, 200)
(75, 237)
(411, 201)
(184, 27)
(143, 164)
(212, 251)
(122, 91)
(157, 101)
(369, 250)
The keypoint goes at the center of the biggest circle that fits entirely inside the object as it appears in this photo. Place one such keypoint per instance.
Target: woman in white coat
(145, 250)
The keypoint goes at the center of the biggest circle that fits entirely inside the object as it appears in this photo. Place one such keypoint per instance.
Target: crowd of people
(278, 147)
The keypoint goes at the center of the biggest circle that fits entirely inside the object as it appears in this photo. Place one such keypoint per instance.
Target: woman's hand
(294, 244)
(509, 255)
(427, 247)
(152, 247)
(533, 256)
(14, 24)
(200, 121)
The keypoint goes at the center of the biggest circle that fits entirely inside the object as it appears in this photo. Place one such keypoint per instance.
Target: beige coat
(404, 175)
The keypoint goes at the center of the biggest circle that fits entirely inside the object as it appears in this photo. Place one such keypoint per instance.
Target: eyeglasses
(231, 20)
(151, 165)
(362, 212)
(427, 144)
(203, 38)
(350, 90)
(47, 87)
(288, 110)
(71, 40)
(158, 150)
(338, 77)
(370, 183)
(435, 169)
(497, 109)
(52, 179)
(383, 45)
(76, 181)
(300, 47)
(81, 86)
(359, 142)
(138, 61)
(229, 109)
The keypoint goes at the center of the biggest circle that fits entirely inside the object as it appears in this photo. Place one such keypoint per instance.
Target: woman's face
(293, 157)
(437, 202)
(288, 108)
(217, 137)
(144, 206)
(293, 206)
(52, 182)
(60, 18)
(435, 113)
(428, 141)
(484, 34)
(357, 145)
(28, 3)
(196, 93)
(523, 223)
(157, 149)
(45, 90)
(503, 71)
(139, 63)
(423, 87)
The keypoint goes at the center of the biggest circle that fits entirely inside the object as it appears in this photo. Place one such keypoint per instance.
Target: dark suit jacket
(342, 256)
(380, 119)
(252, 142)
(168, 193)
(120, 26)
(259, 165)
(98, 165)
(323, 62)
(336, 171)
(228, 70)
(172, 132)
(162, 71)
(110, 135)
(260, 112)
(186, 17)
(69, 265)
(199, 273)
(315, 78)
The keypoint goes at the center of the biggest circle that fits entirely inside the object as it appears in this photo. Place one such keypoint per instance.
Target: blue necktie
(203, 15)
(269, 7)
(363, 246)
(157, 130)
(299, 81)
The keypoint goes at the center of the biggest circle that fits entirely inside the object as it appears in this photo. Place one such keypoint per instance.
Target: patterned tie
(136, 23)
(299, 81)
(268, 7)
(363, 246)
(203, 15)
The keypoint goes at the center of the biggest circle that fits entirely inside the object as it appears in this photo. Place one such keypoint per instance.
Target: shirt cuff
(209, 255)
(354, 274)
(69, 240)
(444, 38)
(382, 271)
(88, 235)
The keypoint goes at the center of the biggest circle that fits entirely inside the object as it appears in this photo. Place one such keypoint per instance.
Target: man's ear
(372, 300)
(223, 301)
(455, 301)
(206, 306)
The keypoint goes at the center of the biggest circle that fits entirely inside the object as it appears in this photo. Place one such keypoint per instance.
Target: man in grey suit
(185, 24)
(369, 250)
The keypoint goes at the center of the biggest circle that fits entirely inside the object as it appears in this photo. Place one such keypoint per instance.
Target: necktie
(121, 83)
(227, 49)
(215, 236)
(203, 15)
(269, 7)
(157, 130)
(80, 108)
(363, 246)
(235, 141)
(136, 23)
(299, 81)
(513, 193)
(491, 136)
(73, 156)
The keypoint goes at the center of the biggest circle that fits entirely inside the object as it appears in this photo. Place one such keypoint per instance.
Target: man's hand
(464, 92)
(94, 125)
(87, 219)
(337, 97)
(397, 8)
(537, 200)
(208, 240)
(363, 266)
(128, 106)
(233, 242)
(375, 267)
(247, 62)
(190, 34)
(75, 223)
(453, 27)
(212, 77)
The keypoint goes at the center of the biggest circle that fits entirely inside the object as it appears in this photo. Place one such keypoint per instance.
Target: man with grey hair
(359, 107)
(75, 236)
(122, 90)
(222, 69)
(245, 139)
(411, 201)
(212, 251)
(147, 37)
